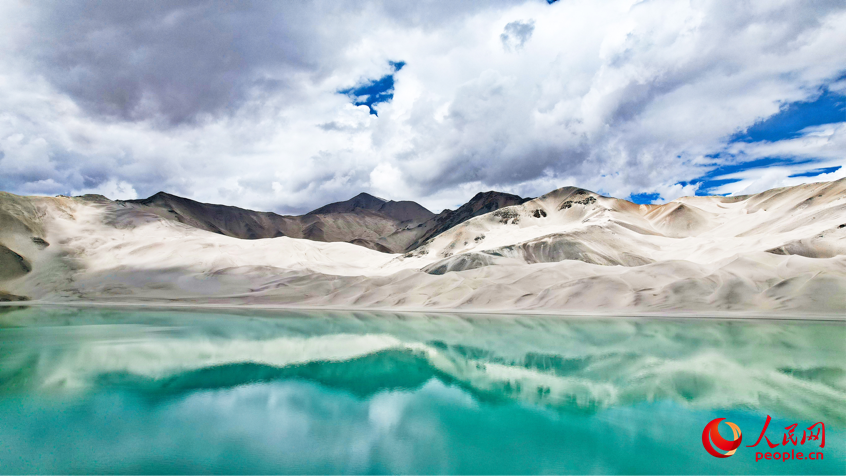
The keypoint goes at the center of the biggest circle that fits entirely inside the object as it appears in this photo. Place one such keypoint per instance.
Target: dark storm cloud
(181, 60)
(178, 60)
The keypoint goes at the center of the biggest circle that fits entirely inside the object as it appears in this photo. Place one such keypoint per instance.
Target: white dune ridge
(783, 250)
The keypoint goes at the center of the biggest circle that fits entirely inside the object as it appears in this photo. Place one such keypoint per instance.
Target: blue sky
(789, 123)
(374, 91)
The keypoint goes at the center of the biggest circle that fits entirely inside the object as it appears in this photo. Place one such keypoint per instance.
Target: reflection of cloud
(368, 392)
(516, 34)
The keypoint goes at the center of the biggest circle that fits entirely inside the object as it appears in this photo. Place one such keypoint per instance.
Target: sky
(286, 106)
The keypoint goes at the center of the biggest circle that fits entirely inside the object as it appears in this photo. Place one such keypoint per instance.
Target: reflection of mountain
(782, 251)
(362, 376)
(580, 366)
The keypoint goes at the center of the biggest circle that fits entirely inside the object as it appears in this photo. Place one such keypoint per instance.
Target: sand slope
(781, 251)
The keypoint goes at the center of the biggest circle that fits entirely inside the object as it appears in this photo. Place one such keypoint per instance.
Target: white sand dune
(783, 251)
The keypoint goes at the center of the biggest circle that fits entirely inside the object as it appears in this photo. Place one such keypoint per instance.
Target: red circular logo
(730, 446)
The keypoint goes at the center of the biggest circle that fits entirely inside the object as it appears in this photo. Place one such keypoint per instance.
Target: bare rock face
(482, 203)
(8, 297)
(402, 211)
(222, 219)
(561, 247)
(40, 242)
(362, 220)
(382, 225)
(462, 262)
(373, 245)
(12, 265)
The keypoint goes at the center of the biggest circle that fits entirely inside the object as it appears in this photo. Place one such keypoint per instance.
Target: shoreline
(710, 315)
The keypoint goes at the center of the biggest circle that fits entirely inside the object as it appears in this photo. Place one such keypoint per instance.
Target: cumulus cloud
(239, 103)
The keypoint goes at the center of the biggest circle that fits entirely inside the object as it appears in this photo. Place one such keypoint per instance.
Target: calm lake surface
(163, 391)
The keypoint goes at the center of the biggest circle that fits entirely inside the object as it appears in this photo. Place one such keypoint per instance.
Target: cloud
(387, 180)
(838, 87)
(516, 34)
(239, 103)
(178, 61)
(112, 188)
(817, 155)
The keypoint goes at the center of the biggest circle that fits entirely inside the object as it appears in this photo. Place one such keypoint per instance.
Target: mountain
(222, 219)
(403, 211)
(780, 252)
(382, 225)
(358, 224)
(576, 224)
(21, 238)
(480, 204)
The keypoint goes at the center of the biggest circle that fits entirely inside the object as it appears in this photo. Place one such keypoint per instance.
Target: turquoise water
(162, 391)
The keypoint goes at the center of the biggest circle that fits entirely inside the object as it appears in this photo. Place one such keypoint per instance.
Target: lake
(128, 390)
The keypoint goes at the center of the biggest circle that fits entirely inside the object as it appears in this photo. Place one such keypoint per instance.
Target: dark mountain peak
(400, 211)
(363, 219)
(93, 197)
(367, 220)
(158, 197)
(366, 196)
(222, 219)
(493, 195)
(481, 203)
(363, 201)
(570, 191)
(164, 198)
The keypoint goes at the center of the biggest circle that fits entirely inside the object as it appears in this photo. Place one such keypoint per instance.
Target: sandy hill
(572, 223)
(781, 251)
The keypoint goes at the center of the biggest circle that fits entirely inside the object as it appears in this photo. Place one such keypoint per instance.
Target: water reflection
(100, 390)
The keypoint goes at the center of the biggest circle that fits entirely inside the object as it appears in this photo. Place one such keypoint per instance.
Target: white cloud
(825, 144)
(618, 96)
(114, 189)
(387, 180)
